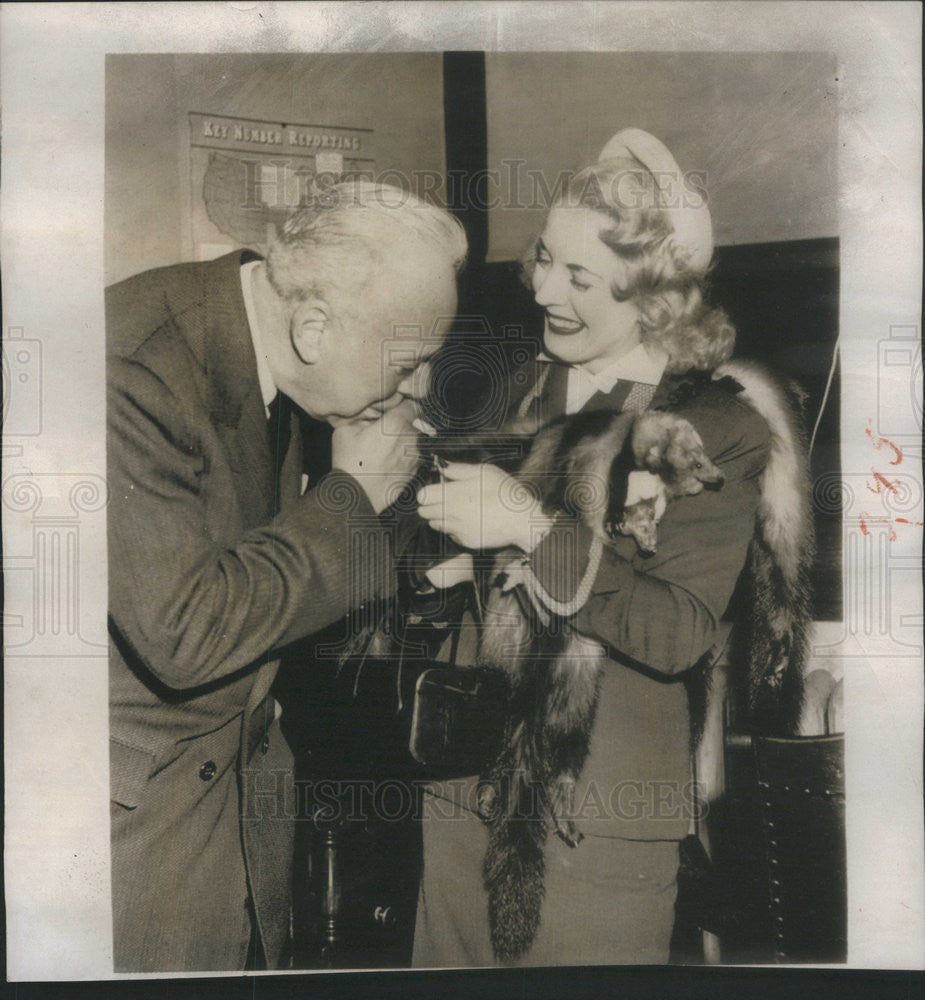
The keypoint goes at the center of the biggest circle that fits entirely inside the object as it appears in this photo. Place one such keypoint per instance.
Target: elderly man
(217, 558)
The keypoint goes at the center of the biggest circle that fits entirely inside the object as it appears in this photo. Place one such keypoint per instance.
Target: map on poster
(248, 175)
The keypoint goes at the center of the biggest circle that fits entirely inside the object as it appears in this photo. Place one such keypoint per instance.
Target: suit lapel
(247, 448)
(251, 457)
(235, 404)
(673, 389)
(290, 479)
(228, 350)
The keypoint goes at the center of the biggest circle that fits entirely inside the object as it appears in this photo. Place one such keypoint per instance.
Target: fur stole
(582, 465)
(770, 642)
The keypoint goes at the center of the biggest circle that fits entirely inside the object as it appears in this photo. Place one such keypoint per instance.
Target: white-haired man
(217, 557)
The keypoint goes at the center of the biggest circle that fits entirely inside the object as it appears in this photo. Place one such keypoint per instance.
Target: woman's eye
(542, 261)
(580, 285)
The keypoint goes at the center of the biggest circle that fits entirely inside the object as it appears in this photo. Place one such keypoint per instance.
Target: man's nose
(416, 384)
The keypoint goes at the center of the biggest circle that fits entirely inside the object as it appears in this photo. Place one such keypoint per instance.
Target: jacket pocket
(129, 770)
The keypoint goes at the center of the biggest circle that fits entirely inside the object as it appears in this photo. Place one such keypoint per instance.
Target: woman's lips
(562, 326)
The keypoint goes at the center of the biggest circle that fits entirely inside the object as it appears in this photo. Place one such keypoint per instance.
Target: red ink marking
(880, 442)
(902, 520)
(879, 520)
(882, 482)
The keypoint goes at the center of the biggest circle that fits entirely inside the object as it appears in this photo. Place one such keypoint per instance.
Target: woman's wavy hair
(668, 293)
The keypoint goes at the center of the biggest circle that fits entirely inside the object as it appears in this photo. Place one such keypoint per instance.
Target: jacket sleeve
(195, 610)
(663, 611)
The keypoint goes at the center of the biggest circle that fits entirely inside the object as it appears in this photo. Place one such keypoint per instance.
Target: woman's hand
(482, 507)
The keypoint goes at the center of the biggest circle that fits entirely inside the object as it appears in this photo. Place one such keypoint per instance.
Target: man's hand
(482, 507)
(379, 449)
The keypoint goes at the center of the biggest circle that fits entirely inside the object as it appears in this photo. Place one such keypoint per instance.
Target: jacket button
(207, 771)
(265, 745)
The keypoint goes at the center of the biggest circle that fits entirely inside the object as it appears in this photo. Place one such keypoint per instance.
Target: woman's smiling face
(572, 281)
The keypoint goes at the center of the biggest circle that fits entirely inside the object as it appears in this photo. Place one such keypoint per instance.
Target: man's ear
(308, 327)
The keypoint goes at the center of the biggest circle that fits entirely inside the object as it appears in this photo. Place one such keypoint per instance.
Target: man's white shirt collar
(268, 388)
(639, 365)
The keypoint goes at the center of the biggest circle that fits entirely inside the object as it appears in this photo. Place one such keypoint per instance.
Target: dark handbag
(425, 710)
(458, 717)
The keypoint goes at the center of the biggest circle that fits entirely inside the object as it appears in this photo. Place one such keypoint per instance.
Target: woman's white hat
(687, 210)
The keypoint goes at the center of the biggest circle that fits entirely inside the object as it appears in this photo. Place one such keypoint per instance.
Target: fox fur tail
(514, 867)
(771, 643)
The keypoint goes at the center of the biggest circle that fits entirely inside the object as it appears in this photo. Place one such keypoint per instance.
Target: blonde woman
(618, 270)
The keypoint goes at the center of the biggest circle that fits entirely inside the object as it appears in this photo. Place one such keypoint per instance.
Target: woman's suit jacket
(656, 615)
(611, 898)
(205, 585)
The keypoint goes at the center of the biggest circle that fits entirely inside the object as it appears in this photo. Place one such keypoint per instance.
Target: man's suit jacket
(205, 586)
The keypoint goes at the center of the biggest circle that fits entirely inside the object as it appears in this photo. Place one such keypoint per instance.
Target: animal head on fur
(670, 447)
(645, 503)
(640, 521)
(584, 465)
